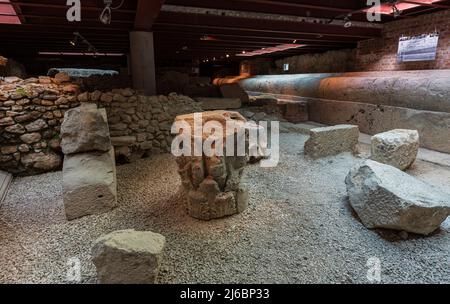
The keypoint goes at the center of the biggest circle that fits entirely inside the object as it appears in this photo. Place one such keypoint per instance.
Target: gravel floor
(299, 228)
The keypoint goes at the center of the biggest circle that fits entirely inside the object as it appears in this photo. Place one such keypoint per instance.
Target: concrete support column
(143, 62)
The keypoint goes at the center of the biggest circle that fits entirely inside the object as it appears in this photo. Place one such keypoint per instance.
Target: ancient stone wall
(103, 82)
(32, 110)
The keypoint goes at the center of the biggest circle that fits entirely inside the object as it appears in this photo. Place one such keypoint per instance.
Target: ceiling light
(74, 41)
(228, 55)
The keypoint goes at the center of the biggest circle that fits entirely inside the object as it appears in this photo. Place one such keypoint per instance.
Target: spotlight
(295, 41)
(243, 52)
(228, 56)
(74, 41)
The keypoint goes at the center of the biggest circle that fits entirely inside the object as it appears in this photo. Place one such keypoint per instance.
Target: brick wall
(381, 54)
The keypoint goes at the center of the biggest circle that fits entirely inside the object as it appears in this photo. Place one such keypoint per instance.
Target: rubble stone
(398, 148)
(386, 197)
(85, 129)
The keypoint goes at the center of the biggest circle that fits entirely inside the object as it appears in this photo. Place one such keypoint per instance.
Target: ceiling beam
(268, 26)
(146, 14)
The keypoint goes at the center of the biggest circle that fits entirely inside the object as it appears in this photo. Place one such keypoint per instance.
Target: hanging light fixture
(74, 41)
(106, 14)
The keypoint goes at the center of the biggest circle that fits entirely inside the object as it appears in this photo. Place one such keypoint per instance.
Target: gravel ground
(298, 228)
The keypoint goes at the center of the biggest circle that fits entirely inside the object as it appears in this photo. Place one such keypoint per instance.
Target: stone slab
(219, 103)
(89, 183)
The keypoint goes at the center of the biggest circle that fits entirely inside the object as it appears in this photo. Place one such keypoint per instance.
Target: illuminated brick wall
(381, 54)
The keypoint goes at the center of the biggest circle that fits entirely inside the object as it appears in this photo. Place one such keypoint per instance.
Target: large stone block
(85, 129)
(374, 119)
(386, 197)
(219, 103)
(89, 183)
(234, 90)
(328, 141)
(397, 148)
(128, 257)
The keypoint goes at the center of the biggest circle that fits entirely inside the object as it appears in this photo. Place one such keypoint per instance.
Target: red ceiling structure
(180, 26)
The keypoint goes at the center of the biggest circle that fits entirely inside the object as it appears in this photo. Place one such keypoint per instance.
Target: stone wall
(381, 54)
(32, 110)
(103, 82)
(338, 61)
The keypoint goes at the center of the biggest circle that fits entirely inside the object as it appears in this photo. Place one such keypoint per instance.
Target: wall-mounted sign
(418, 48)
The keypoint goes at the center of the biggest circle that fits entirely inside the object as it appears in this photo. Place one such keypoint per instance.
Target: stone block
(398, 148)
(219, 103)
(386, 197)
(128, 257)
(329, 141)
(85, 129)
(89, 183)
(123, 141)
(234, 90)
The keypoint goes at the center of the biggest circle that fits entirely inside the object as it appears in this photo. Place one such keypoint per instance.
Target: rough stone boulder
(210, 103)
(85, 129)
(128, 257)
(386, 197)
(397, 148)
(234, 90)
(328, 141)
(89, 183)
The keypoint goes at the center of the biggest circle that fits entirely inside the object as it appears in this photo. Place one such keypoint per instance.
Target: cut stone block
(329, 141)
(89, 183)
(219, 103)
(85, 129)
(397, 148)
(294, 111)
(234, 90)
(128, 257)
(386, 197)
(120, 141)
